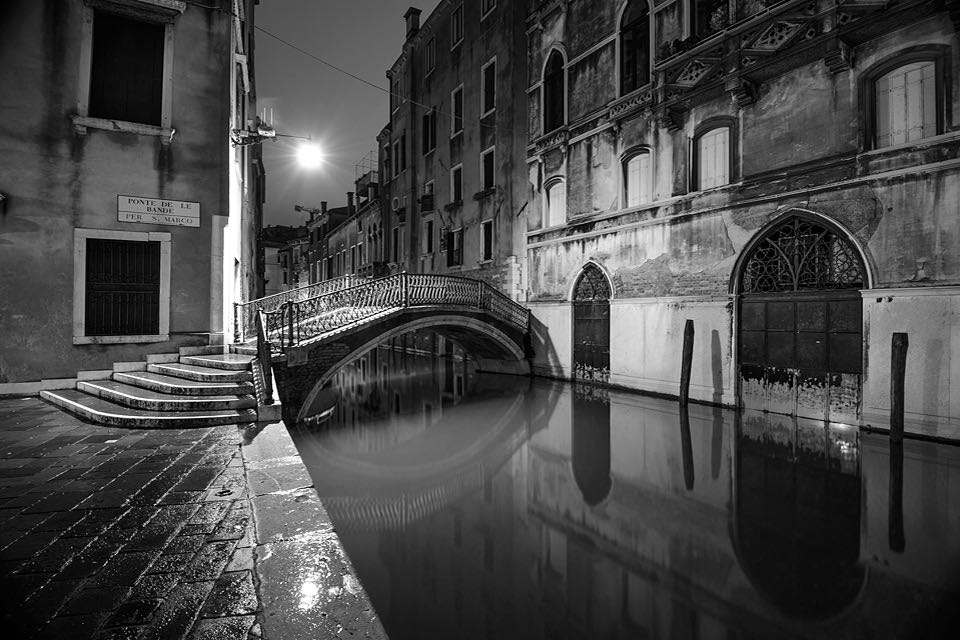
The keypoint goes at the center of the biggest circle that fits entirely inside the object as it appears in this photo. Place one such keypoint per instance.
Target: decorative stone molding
(839, 58)
(160, 10)
(671, 118)
(553, 139)
(743, 90)
(629, 103)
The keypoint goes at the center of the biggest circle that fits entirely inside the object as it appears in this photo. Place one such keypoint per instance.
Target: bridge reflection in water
(479, 506)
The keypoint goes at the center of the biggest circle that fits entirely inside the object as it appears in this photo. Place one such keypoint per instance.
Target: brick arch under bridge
(302, 371)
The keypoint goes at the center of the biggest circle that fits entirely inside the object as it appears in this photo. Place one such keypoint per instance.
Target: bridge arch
(486, 338)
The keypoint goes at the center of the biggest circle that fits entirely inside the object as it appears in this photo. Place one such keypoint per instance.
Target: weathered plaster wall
(56, 180)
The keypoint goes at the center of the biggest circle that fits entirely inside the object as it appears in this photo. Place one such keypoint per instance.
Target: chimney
(349, 203)
(371, 192)
(323, 207)
(412, 16)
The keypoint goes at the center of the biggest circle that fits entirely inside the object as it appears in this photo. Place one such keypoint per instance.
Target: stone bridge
(307, 340)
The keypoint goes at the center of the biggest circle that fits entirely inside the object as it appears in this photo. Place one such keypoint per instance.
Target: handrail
(300, 320)
(244, 313)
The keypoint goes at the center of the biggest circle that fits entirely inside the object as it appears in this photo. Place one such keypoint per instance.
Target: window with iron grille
(122, 287)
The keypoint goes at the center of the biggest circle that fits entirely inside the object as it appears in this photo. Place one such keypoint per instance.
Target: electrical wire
(317, 58)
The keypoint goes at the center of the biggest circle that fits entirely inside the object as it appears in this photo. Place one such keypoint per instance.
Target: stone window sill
(120, 339)
(480, 195)
(82, 123)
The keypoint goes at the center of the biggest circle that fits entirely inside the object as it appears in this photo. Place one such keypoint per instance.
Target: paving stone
(136, 517)
(107, 498)
(232, 595)
(120, 633)
(94, 600)
(186, 544)
(134, 612)
(152, 537)
(61, 521)
(198, 479)
(44, 604)
(176, 616)
(80, 627)
(210, 561)
(173, 563)
(237, 628)
(154, 586)
(242, 560)
(55, 556)
(27, 546)
(174, 514)
(58, 502)
(16, 588)
(183, 497)
(125, 568)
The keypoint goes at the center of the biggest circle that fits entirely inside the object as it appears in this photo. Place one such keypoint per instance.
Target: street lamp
(309, 156)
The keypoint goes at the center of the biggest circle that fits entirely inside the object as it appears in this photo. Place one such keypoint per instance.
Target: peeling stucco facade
(798, 112)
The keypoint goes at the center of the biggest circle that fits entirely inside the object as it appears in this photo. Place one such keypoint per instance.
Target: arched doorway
(801, 322)
(591, 326)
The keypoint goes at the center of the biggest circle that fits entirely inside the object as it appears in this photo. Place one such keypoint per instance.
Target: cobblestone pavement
(122, 534)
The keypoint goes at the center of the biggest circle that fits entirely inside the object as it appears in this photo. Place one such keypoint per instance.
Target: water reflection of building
(612, 522)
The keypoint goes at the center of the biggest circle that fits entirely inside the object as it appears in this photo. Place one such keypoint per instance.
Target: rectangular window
(487, 168)
(126, 74)
(456, 26)
(637, 179)
(556, 203)
(403, 151)
(395, 94)
(714, 158)
(486, 6)
(430, 56)
(396, 158)
(395, 244)
(122, 287)
(456, 183)
(426, 200)
(455, 248)
(456, 102)
(486, 240)
(488, 87)
(907, 104)
(428, 237)
(429, 131)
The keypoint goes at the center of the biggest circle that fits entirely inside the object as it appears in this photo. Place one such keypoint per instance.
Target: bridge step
(105, 412)
(200, 374)
(179, 386)
(227, 361)
(140, 398)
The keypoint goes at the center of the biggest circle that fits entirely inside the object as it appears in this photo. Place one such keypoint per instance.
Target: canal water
(482, 506)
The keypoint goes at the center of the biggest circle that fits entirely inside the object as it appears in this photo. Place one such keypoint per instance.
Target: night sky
(342, 114)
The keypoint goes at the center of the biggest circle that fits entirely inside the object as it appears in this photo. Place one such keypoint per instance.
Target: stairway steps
(180, 386)
(225, 361)
(105, 412)
(141, 398)
(200, 374)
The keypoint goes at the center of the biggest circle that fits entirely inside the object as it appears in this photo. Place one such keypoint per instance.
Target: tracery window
(592, 285)
(554, 88)
(634, 46)
(800, 254)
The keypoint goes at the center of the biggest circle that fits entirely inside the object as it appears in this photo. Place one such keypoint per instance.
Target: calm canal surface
(484, 506)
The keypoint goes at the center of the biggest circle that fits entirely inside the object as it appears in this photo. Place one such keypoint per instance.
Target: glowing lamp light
(309, 156)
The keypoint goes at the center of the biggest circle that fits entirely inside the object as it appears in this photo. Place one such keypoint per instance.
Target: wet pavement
(123, 534)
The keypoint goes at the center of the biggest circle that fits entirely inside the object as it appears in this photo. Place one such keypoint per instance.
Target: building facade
(130, 220)
(454, 193)
(783, 174)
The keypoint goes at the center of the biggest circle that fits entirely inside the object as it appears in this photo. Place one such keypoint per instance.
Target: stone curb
(306, 583)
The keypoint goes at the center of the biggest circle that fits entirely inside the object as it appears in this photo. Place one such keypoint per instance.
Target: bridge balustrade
(299, 320)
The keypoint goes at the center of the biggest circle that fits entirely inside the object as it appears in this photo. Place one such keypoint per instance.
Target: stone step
(140, 398)
(103, 411)
(180, 386)
(246, 348)
(202, 351)
(200, 374)
(227, 361)
(155, 358)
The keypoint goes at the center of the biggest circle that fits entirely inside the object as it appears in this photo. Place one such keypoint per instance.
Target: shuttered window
(906, 104)
(126, 76)
(556, 203)
(638, 179)
(713, 154)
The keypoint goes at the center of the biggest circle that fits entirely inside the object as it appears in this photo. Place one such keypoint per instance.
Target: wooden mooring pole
(898, 367)
(686, 362)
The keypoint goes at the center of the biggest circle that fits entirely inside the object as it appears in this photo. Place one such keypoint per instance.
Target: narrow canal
(483, 506)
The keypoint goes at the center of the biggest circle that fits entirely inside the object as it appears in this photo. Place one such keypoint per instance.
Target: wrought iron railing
(245, 313)
(300, 320)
